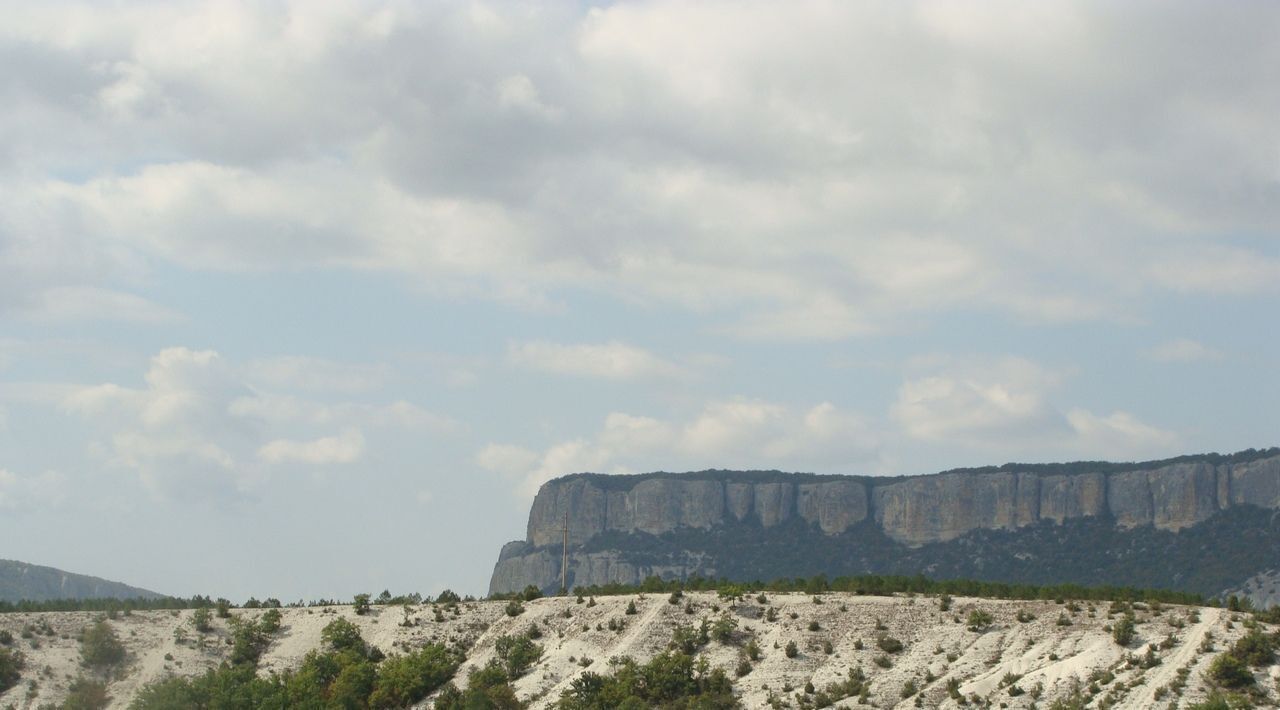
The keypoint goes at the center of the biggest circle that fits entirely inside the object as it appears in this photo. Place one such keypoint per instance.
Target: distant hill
(1207, 523)
(20, 580)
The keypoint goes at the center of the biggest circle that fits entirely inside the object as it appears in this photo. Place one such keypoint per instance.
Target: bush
(517, 654)
(448, 596)
(1255, 649)
(223, 607)
(270, 621)
(889, 644)
(100, 647)
(723, 628)
(487, 689)
(361, 604)
(792, 650)
(979, 620)
(85, 694)
(514, 608)
(11, 665)
(530, 593)
(1123, 630)
(201, 620)
(631, 608)
(404, 680)
(342, 635)
(1229, 672)
(6, 638)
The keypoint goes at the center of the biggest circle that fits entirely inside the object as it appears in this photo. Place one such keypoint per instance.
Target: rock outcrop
(1171, 495)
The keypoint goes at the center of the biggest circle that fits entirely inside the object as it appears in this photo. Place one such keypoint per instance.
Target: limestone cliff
(915, 511)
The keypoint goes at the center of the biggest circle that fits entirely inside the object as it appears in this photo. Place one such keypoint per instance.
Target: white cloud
(343, 448)
(31, 493)
(738, 433)
(198, 429)
(650, 153)
(1006, 407)
(316, 374)
(612, 360)
(1183, 350)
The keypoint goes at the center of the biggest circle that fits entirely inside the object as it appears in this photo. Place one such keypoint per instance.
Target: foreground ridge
(935, 650)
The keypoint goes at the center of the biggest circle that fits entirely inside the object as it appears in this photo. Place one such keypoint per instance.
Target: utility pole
(564, 557)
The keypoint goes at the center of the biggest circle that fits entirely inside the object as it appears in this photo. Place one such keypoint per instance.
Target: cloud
(1183, 350)
(648, 153)
(30, 493)
(199, 429)
(1007, 407)
(316, 374)
(343, 448)
(736, 433)
(612, 360)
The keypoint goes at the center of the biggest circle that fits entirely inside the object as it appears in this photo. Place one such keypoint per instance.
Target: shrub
(792, 650)
(675, 597)
(631, 608)
(944, 602)
(1254, 649)
(270, 621)
(531, 592)
(1025, 616)
(1229, 672)
(909, 689)
(514, 608)
(402, 681)
(1123, 630)
(361, 604)
(201, 620)
(85, 694)
(100, 647)
(815, 626)
(889, 644)
(723, 628)
(448, 596)
(753, 650)
(979, 620)
(342, 635)
(882, 661)
(223, 607)
(11, 665)
(517, 654)
(6, 638)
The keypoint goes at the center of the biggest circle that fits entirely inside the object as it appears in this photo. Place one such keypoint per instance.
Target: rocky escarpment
(611, 517)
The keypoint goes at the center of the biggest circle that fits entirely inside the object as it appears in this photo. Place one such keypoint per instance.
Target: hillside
(22, 581)
(1047, 658)
(1209, 519)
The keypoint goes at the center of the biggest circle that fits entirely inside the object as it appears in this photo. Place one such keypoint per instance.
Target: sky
(306, 299)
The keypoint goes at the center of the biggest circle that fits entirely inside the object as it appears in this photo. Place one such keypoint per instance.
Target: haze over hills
(1201, 523)
(23, 581)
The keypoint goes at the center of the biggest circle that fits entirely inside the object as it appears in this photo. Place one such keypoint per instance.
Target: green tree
(342, 635)
(1123, 629)
(200, 619)
(100, 647)
(361, 604)
(1229, 672)
(86, 694)
(517, 654)
(11, 665)
(404, 680)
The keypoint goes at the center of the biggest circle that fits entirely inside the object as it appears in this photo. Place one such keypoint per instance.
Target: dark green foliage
(669, 680)
(248, 640)
(514, 608)
(6, 638)
(791, 649)
(100, 647)
(270, 621)
(223, 608)
(1122, 631)
(448, 596)
(361, 604)
(979, 620)
(1230, 672)
(517, 654)
(11, 665)
(487, 689)
(86, 694)
(889, 644)
(404, 680)
(1221, 701)
(342, 635)
(723, 628)
(631, 608)
(1255, 649)
(201, 619)
(530, 593)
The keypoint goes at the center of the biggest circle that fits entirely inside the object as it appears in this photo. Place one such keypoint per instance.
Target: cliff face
(911, 511)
